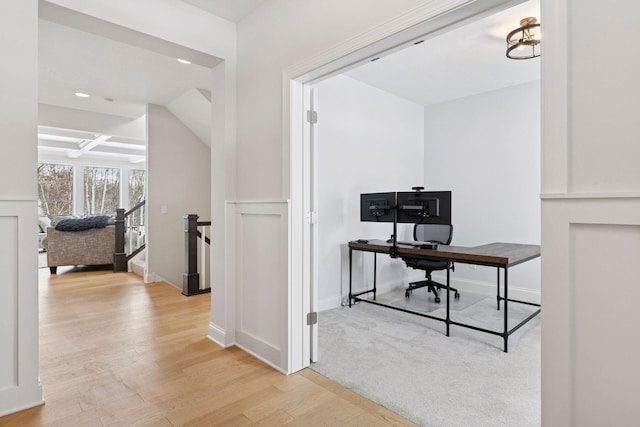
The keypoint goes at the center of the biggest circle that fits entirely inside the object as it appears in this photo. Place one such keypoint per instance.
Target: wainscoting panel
(19, 364)
(9, 301)
(606, 288)
(590, 322)
(262, 280)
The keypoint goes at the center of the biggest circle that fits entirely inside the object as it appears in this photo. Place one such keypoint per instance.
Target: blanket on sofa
(80, 224)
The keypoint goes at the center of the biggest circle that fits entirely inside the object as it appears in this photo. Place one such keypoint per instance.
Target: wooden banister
(191, 277)
(120, 257)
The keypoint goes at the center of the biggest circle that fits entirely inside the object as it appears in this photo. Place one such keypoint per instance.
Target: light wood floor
(118, 352)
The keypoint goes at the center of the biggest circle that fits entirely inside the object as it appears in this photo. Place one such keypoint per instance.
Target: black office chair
(435, 233)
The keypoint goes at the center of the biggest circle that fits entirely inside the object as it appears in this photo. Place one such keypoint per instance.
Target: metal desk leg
(448, 319)
(498, 286)
(350, 274)
(506, 311)
(375, 274)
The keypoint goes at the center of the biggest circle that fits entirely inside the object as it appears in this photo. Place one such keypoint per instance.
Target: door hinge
(311, 217)
(312, 116)
(312, 318)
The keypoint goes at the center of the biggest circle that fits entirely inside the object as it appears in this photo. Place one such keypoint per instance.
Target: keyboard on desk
(418, 244)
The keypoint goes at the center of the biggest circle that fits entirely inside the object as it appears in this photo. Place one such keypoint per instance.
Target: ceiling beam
(88, 146)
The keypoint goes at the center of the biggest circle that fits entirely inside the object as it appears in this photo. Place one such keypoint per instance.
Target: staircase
(130, 239)
(138, 264)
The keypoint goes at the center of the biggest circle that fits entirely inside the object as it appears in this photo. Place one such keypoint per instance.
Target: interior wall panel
(19, 367)
(590, 289)
(19, 370)
(258, 301)
(591, 215)
(9, 301)
(262, 284)
(606, 342)
(604, 150)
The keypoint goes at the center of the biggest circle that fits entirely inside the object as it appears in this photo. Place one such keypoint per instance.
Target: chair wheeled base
(431, 286)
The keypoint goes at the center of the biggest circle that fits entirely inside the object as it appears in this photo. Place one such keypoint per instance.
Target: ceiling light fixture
(183, 61)
(82, 95)
(523, 42)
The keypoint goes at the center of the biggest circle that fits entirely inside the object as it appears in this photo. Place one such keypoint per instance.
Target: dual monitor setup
(410, 207)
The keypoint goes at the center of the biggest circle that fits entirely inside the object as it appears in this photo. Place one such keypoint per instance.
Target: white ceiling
(462, 62)
(71, 60)
(123, 70)
(231, 10)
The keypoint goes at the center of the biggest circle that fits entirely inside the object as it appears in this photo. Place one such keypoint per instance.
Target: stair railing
(193, 282)
(130, 236)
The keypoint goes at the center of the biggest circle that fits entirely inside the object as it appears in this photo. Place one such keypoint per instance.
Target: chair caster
(437, 299)
(457, 295)
(407, 293)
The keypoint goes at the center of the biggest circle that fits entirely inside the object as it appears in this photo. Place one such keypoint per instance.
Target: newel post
(190, 278)
(119, 257)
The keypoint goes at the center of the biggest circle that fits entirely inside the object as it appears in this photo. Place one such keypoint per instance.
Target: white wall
(590, 215)
(278, 35)
(486, 150)
(175, 21)
(19, 365)
(178, 184)
(369, 141)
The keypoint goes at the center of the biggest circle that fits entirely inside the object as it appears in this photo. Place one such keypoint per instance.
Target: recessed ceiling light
(183, 61)
(82, 95)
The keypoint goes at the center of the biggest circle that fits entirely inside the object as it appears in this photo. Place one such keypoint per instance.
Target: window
(101, 190)
(136, 187)
(55, 189)
(136, 195)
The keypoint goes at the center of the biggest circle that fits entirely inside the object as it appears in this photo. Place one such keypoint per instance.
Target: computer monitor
(378, 207)
(427, 207)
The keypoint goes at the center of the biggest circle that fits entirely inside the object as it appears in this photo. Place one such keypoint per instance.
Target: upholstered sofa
(95, 246)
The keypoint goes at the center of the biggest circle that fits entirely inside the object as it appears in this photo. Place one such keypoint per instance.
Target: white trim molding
(427, 20)
(262, 280)
(589, 196)
(20, 386)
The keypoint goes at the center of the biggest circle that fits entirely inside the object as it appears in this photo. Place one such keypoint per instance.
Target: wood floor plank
(118, 352)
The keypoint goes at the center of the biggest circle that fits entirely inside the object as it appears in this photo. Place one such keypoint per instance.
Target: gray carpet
(407, 364)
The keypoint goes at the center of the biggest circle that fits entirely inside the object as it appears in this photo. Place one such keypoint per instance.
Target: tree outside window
(136, 187)
(136, 194)
(101, 190)
(55, 189)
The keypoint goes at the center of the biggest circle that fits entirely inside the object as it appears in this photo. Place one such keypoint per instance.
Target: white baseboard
(463, 285)
(22, 407)
(151, 277)
(489, 289)
(336, 301)
(257, 356)
(330, 303)
(219, 336)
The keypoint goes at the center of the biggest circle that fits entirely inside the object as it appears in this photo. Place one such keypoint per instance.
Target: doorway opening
(372, 134)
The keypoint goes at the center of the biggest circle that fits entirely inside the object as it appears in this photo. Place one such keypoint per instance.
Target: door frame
(426, 21)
